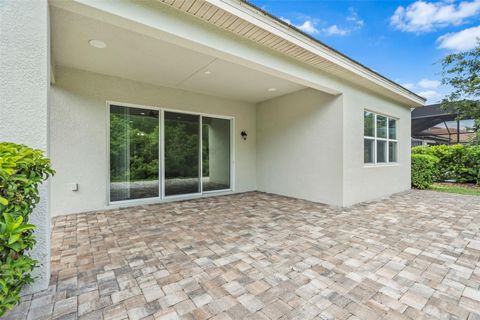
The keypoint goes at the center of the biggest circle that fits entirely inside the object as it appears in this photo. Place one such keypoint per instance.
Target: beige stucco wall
(79, 132)
(310, 146)
(362, 183)
(299, 146)
(24, 79)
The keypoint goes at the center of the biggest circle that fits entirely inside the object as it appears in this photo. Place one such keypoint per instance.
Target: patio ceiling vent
(99, 44)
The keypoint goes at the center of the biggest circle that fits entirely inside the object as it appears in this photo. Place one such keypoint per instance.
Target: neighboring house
(432, 125)
(145, 102)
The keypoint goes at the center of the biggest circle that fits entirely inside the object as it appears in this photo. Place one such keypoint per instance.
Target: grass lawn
(468, 189)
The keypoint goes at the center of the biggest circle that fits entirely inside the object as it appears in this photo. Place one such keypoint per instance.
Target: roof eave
(270, 23)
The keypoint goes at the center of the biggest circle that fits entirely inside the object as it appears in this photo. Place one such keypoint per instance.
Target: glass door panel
(182, 153)
(134, 147)
(215, 154)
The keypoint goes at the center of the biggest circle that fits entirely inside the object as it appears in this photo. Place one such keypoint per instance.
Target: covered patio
(144, 114)
(150, 102)
(415, 255)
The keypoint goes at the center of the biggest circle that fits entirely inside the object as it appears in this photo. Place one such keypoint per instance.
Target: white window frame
(374, 138)
(162, 197)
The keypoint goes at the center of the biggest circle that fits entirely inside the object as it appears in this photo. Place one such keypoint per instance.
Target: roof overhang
(244, 19)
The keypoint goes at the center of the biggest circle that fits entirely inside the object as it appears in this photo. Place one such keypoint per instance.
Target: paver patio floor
(415, 255)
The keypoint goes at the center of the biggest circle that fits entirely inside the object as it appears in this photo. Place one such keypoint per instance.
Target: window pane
(392, 129)
(133, 153)
(381, 151)
(216, 154)
(182, 153)
(368, 124)
(392, 152)
(381, 126)
(368, 145)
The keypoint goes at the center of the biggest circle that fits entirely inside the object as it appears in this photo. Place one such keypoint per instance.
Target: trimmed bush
(456, 162)
(424, 170)
(22, 170)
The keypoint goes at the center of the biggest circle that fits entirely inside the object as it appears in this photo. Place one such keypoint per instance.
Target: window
(380, 145)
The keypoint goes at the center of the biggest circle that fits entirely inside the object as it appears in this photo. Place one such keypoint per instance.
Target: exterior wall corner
(24, 89)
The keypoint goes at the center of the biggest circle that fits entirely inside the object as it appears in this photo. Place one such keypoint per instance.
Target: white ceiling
(134, 56)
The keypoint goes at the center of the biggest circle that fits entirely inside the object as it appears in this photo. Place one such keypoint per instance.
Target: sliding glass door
(215, 154)
(134, 149)
(196, 153)
(181, 153)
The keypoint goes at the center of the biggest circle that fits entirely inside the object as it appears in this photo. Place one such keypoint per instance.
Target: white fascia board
(245, 12)
(159, 21)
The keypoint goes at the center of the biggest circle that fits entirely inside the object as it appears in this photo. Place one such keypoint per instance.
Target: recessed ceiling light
(99, 44)
(208, 72)
(272, 89)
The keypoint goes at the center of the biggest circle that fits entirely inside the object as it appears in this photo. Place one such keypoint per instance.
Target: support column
(24, 85)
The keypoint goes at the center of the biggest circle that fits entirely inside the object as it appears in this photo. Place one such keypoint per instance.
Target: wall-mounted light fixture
(244, 135)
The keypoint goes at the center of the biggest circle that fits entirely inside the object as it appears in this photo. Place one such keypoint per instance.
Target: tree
(461, 71)
(141, 135)
(181, 149)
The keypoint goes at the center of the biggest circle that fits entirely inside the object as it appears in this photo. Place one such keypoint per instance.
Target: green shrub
(21, 171)
(424, 170)
(456, 162)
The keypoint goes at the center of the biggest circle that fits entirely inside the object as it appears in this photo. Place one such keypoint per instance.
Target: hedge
(22, 170)
(458, 162)
(424, 170)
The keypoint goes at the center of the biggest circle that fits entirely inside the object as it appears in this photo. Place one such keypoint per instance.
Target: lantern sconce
(244, 135)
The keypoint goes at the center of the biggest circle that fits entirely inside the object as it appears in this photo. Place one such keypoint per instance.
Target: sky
(402, 40)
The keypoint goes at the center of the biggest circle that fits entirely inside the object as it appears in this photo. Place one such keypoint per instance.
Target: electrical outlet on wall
(74, 186)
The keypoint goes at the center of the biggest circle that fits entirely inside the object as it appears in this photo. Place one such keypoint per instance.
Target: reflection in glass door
(182, 153)
(215, 154)
(134, 148)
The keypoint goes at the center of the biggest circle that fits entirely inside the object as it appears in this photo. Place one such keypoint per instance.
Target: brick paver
(415, 255)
